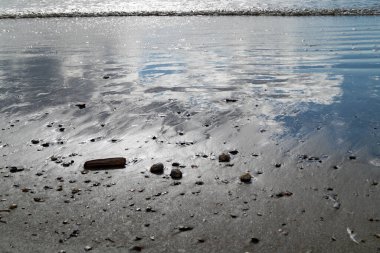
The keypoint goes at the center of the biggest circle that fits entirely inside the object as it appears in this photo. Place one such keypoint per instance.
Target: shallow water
(155, 90)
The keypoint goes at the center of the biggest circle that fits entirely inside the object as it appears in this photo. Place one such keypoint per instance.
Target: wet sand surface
(293, 101)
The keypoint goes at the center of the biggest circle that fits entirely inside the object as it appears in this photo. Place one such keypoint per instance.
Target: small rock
(254, 240)
(231, 100)
(81, 106)
(13, 206)
(224, 158)
(284, 194)
(233, 152)
(352, 157)
(87, 248)
(34, 141)
(136, 248)
(199, 182)
(38, 199)
(185, 228)
(157, 168)
(175, 164)
(277, 165)
(201, 240)
(176, 174)
(15, 169)
(246, 178)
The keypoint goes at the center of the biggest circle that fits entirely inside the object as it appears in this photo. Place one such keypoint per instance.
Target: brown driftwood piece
(107, 163)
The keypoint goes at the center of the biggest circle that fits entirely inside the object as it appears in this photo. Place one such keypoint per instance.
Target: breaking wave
(252, 12)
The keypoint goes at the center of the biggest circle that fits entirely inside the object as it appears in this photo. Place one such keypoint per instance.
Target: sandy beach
(296, 106)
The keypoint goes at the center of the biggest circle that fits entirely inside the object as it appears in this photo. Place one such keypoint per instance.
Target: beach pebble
(284, 194)
(34, 141)
(246, 178)
(38, 199)
(224, 158)
(13, 206)
(136, 248)
(185, 228)
(81, 106)
(87, 248)
(15, 169)
(176, 174)
(157, 168)
(254, 240)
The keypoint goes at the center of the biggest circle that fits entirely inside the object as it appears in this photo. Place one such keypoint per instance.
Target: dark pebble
(352, 157)
(136, 248)
(224, 158)
(81, 106)
(157, 168)
(277, 165)
(35, 141)
(199, 183)
(255, 240)
(176, 174)
(175, 164)
(233, 152)
(246, 178)
(87, 248)
(185, 228)
(14, 169)
(284, 194)
(38, 199)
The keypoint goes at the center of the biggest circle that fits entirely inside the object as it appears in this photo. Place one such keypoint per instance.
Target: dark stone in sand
(81, 106)
(176, 174)
(38, 199)
(15, 169)
(255, 240)
(277, 165)
(246, 178)
(87, 248)
(233, 152)
(157, 168)
(107, 163)
(45, 145)
(67, 164)
(12, 206)
(62, 129)
(284, 194)
(175, 164)
(185, 228)
(352, 157)
(231, 100)
(106, 77)
(136, 248)
(35, 141)
(224, 158)
(199, 183)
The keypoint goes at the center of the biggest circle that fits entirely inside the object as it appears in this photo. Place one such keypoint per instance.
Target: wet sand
(294, 105)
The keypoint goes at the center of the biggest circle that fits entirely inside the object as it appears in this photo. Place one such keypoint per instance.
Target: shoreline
(274, 13)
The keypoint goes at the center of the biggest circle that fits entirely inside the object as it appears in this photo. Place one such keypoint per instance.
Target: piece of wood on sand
(107, 163)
